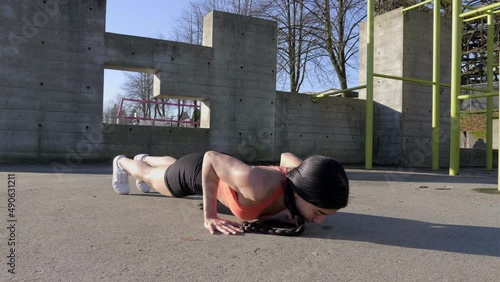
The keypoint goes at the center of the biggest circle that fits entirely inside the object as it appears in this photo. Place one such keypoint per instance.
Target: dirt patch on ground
(474, 120)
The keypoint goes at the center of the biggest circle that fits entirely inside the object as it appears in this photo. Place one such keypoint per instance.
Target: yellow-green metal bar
(323, 95)
(370, 14)
(478, 10)
(474, 89)
(421, 81)
(436, 84)
(496, 12)
(489, 105)
(475, 18)
(456, 53)
(473, 96)
(417, 5)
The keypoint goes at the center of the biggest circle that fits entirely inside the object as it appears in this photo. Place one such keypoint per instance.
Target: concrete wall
(476, 157)
(244, 87)
(50, 78)
(402, 118)
(388, 127)
(331, 126)
(233, 75)
(51, 90)
(417, 109)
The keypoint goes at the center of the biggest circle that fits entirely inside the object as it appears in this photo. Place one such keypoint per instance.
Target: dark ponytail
(321, 181)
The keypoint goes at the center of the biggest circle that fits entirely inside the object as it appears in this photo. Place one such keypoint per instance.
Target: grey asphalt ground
(399, 226)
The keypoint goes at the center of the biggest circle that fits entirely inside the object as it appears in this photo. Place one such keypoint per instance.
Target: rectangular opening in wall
(159, 112)
(130, 99)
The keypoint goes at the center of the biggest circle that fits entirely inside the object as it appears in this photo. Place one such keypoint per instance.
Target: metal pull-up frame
(458, 18)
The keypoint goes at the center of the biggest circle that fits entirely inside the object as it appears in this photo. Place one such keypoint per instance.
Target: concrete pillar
(242, 83)
(403, 110)
(51, 79)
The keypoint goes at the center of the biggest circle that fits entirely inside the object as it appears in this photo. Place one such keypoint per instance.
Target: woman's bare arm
(289, 160)
(235, 173)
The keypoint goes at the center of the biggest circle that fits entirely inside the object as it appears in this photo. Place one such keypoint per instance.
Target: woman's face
(310, 212)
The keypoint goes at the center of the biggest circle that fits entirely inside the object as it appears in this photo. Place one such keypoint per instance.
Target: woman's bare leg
(159, 161)
(153, 176)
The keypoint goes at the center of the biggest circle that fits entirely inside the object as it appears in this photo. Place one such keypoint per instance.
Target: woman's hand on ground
(224, 226)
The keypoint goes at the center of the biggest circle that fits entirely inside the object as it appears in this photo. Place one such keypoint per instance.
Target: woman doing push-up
(309, 190)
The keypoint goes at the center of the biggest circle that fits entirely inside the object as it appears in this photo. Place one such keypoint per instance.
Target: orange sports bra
(253, 211)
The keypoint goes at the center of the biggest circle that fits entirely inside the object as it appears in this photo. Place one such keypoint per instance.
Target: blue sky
(150, 18)
(147, 18)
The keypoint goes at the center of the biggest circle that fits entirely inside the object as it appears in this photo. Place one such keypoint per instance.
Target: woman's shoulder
(264, 180)
(273, 168)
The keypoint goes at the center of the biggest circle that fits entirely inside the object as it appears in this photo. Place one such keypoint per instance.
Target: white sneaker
(141, 185)
(120, 178)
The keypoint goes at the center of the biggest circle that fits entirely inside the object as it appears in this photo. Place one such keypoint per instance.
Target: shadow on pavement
(407, 233)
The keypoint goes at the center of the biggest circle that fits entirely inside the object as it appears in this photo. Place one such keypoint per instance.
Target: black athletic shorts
(183, 178)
